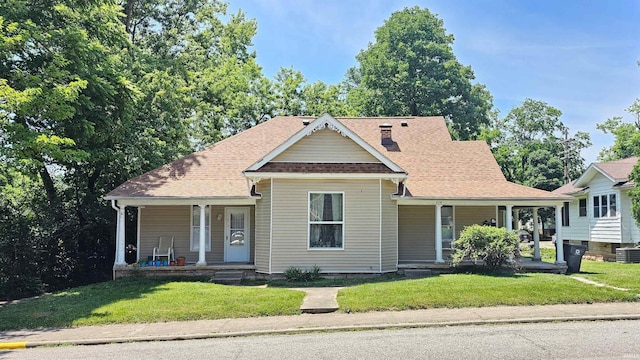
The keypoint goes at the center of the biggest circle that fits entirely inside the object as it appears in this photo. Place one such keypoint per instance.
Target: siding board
(175, 221)
(326, 146)
(389, 227)
(416, 233)
(263, 226)
(469, 215)
(361, 226)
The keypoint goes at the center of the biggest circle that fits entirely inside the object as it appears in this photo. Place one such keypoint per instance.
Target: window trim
(453, 227)
(207, 247)
(608, 207)
(566, 214)
(309, 222)
(585, 207)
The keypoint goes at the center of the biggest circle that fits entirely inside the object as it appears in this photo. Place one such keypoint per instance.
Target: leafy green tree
(626, 144)
(527, 146)
(410, 69)
(293, 96)
(626, 134)
(199, 80)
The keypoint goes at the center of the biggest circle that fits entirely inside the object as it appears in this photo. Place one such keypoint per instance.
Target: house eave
(290, 175)
(484, 201)
(183, 200)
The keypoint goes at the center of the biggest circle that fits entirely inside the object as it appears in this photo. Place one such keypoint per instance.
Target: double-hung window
(326, 220)
(565, 214)
(604, 206)
(195, 228)
(582, 207)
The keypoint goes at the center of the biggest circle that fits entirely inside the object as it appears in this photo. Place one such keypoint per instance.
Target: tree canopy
(410, 69)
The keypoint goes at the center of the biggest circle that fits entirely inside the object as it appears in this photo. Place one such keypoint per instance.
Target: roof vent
(385, 134)
(305, 122)
(404, 123)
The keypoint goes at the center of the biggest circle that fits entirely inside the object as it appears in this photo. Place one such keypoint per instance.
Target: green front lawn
(148, 300)
(474, 290)
(625, 276)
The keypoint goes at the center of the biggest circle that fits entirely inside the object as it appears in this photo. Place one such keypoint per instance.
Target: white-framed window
(195, 228)
(565, 214)
(447, 223)
(604, 206)
(326, 220)
(582, 207)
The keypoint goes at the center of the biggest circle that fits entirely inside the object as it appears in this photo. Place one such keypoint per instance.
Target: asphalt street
(565, 340)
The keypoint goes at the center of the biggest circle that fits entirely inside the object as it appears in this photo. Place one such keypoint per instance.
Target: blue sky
(578, 56)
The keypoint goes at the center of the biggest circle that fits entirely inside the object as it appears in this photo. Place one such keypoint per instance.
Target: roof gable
(617, 171)
(326, 146)
(326, 121)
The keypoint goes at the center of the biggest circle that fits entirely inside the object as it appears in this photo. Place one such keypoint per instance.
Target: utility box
(628, 255)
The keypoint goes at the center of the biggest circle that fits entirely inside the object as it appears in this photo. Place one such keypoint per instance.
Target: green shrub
(294, 274)
(496, 247)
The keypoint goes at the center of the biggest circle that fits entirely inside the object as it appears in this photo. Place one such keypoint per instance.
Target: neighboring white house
(600, 216)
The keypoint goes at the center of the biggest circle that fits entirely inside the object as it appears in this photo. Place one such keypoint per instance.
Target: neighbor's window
(582, 206)
(195, 228)
(565, 214)
(604, 206)
(326, 220)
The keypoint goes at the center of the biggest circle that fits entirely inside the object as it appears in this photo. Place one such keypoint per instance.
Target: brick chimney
(385, 134)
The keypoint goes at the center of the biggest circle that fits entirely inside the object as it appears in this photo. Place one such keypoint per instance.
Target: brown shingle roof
(619, 170)
(568, 189)
(437, 166)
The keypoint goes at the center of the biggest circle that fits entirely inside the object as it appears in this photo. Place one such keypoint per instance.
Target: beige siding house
(600, 209)
(348, 195)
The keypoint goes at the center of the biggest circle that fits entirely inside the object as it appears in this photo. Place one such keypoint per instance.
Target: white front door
(236, 234)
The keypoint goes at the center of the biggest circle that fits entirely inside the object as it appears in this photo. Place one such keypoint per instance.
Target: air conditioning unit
(628, 255)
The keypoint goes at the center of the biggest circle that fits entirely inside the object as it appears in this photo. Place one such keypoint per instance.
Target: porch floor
(249, 270)
(525, 264)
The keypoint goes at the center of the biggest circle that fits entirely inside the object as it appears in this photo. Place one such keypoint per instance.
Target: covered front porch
(428, 228)
(203, 238)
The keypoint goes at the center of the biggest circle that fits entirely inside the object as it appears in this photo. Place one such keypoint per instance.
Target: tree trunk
(128, 15)
(52, 194)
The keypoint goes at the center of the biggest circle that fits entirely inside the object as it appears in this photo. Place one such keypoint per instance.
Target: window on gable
(195, 228)
(582, 207)
(326, 220)
(565, 214)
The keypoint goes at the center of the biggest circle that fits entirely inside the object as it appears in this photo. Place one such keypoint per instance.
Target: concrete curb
(35, 344)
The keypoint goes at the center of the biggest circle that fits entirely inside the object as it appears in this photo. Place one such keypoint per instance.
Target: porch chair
(164, 248)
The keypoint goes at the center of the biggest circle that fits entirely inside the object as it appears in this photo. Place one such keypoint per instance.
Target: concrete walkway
(203, 329)
(319, 300)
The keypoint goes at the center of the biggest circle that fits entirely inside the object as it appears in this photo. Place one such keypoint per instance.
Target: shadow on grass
(63, 309)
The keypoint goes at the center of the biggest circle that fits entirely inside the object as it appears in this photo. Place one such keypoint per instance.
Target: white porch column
(439, 233)
(536, 236)
(509, 220)
(559, 248)
(202, 247)
(120, 237)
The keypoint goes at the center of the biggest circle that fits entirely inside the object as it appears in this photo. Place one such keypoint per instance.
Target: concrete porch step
(228, 277)
(417, 273)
